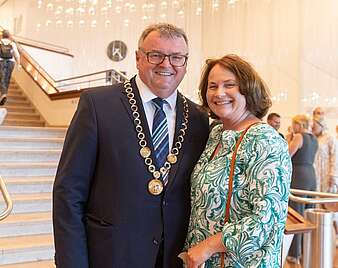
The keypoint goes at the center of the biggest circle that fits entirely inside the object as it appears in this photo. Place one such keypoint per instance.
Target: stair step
(18, 102)
(18, 108)
(14, 92)
(38, 264)
(33, 132)
(14, 88)
(23, 122)
(26, 224)
(26, 249)
(30, 155)
(29, 203)
(28, 169)
(31, 143)
(22, 115)
(29, 184)
(25, 178)
(16, 97)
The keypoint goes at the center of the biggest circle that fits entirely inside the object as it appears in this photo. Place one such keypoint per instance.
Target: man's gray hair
(165, 30)
(6, 34)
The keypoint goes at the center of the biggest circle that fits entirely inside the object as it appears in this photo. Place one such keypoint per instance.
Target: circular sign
(117, 50)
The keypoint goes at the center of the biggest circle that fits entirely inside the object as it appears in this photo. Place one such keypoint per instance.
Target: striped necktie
(160, 135)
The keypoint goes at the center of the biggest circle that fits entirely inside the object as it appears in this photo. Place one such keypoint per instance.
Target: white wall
(57, 112)
(57, 65)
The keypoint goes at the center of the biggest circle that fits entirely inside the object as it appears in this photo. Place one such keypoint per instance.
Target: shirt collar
(147, 95)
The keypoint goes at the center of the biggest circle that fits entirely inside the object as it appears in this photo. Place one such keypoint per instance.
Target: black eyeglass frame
(165, 56)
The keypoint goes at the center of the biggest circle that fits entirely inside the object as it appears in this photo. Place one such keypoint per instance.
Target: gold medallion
(145, 152)
(172, 159)
(155, 186)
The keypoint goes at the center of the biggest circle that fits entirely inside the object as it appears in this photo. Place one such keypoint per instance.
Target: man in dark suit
(117, 202)
(273, 120)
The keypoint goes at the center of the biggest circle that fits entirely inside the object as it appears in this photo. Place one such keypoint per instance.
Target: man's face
(318, 112)
(274, 122)
(162, 79)
(317, 129)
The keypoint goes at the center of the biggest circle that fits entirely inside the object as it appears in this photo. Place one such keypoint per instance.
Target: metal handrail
(7, 199)
(322, 198)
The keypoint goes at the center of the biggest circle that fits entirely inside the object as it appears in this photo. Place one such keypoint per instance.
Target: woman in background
(233, 92)
(302, 147)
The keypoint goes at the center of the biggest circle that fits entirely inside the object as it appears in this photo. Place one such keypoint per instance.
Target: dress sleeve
(265, 178)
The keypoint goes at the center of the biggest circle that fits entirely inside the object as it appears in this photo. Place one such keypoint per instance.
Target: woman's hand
(198, 254)
(201, 252)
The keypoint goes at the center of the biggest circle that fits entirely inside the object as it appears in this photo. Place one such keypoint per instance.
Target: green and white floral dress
(253, 235)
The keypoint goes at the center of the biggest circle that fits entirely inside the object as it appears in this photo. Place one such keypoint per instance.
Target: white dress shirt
(149, 108)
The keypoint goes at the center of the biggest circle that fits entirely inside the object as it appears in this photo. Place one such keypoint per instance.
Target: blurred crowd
(314, 153)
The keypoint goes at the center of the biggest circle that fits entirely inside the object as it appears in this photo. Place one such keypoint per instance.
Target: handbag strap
(231, 179)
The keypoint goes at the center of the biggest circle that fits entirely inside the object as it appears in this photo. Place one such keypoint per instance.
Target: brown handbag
(231, 178)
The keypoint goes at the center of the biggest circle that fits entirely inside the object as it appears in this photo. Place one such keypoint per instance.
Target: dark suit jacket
(103, 215)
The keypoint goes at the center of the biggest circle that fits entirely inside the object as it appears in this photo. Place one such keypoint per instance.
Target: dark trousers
(6, 69)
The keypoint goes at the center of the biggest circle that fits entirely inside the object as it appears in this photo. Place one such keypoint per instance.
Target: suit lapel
(179, 120)
(139, 104)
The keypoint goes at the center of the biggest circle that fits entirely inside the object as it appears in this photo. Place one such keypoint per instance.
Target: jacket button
(155, 241)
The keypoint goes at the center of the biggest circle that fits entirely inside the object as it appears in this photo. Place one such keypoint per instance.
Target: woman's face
(296, 127)
(223, 96)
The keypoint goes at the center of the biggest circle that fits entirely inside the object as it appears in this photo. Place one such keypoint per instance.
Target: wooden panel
(295, 223)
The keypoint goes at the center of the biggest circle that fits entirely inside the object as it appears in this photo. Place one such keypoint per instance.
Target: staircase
(20, 112)
(29, 155)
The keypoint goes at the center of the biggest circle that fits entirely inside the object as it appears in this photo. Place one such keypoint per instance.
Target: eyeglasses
(175, 60)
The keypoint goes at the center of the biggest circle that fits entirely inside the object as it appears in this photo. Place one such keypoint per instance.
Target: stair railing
(7, 198)
(320, 197)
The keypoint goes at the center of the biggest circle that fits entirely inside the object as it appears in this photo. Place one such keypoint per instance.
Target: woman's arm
(295, 144)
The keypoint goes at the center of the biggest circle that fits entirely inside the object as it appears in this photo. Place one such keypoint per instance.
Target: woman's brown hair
(251, 86)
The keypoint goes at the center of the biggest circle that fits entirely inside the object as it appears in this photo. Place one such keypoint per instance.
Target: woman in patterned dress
(234, 93)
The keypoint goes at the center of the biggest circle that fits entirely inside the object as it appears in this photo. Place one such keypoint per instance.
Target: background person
(326, 160)
(326, 163)
(122, 190)
(303, 146)
(273, 120)
(8, 55)
(318, 113)
(233, 92)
